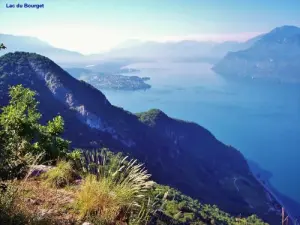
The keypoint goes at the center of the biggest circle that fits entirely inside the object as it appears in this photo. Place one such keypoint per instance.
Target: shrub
(60, 176)
(8, 195)
(75, 157)
(8, 199)
(22, 138)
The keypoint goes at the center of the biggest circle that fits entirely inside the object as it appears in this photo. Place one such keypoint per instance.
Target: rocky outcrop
(37, 170)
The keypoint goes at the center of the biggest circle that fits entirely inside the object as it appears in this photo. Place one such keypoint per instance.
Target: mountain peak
(286, 28)
(31, 64)
(152, 116)
(43, 75)
(285, 34)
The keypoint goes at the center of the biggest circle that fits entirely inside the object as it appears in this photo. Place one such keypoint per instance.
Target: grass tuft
(60, 176)
(115, 194)
(105, 200)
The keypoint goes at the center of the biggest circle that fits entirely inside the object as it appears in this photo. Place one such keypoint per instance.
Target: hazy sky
(96, 25)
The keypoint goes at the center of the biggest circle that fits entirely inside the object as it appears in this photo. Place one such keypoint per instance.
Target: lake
(261, 119)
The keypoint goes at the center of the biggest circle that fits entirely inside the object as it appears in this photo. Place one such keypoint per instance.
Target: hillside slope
(180, 154)
(276, 55)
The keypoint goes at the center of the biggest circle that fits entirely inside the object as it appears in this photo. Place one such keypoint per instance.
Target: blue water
(261, 119)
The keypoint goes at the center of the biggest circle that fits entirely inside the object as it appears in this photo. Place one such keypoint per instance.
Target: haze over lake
(261, 119)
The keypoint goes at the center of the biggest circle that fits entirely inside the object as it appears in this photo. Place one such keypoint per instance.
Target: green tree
(23, 137)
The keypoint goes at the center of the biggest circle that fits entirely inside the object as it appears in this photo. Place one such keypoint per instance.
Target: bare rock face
(37, 170)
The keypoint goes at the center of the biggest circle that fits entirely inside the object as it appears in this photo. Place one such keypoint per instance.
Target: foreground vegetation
(97, 186)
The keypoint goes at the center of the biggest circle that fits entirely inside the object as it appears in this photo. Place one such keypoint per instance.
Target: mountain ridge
(131, 49)
(275, 55)
(35, 45)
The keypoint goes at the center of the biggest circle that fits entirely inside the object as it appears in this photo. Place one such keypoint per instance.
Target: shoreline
(276, 198)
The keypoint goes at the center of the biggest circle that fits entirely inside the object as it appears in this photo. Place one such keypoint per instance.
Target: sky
(95, 26)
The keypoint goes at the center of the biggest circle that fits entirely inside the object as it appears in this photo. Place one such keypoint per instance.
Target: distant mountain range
(274, 55)
(133, 50)
(181, 154)
(35, 45)
(179, 51)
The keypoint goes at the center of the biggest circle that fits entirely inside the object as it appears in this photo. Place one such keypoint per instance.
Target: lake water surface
(261, 119)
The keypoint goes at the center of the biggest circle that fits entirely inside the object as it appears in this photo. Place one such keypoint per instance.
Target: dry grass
(107, 200)
(116, 195)
(60, 176)
(41, 205)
